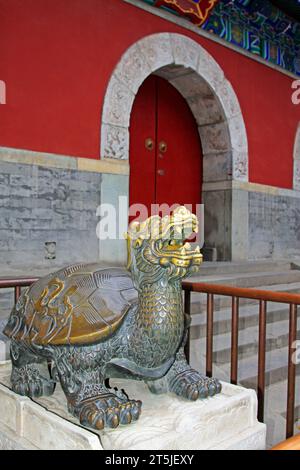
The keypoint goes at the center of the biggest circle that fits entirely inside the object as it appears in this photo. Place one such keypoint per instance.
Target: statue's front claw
(27, 380)
(192, 385)
(107, 410)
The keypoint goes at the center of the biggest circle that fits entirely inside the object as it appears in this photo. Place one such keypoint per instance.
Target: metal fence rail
(263, 296)
(17, 284)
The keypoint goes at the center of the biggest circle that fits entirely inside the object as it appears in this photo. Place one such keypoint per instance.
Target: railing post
(187, 311)
(234, 340)
(209, 334)
(261, 360)
(17, 293)
(291, 373)
(264, 296)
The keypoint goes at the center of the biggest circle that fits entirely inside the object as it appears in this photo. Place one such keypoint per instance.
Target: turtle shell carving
(80, 304)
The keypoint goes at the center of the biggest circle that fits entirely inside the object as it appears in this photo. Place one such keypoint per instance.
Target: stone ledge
(9, 440)
(227, 421)
(49, 160)
(26, 424)
(250, 187)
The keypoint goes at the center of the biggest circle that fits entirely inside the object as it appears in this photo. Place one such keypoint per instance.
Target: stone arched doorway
(201, 81)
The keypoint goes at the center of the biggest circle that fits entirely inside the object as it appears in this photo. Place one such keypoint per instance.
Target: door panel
(171, 172)
(179, 168)
(142, 160)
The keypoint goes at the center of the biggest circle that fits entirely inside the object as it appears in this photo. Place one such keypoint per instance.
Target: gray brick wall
(39, 205)
(274, 226)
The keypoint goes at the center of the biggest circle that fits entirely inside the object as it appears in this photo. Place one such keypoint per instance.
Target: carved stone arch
(201, 81)
(296, 176)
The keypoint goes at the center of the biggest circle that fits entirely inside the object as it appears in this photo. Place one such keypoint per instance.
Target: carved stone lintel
(157, 50)
(114, 142)
(210, 71)
(117, 104)
(132, 69)
(238, 134)
(229, 100)
(239, 166)
(185, 51)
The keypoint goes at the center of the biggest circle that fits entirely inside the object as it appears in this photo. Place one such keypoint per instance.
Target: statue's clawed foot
(27, 380)
(107, 410)
(192, 385)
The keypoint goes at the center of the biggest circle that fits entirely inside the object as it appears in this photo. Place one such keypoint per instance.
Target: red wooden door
(165, 149)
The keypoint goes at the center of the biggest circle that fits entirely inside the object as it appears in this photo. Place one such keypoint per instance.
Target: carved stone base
(226, 421)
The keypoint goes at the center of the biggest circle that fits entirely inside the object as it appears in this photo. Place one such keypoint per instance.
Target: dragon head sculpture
(157, 247)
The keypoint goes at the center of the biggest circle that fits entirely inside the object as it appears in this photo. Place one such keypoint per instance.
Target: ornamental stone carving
(200, 80)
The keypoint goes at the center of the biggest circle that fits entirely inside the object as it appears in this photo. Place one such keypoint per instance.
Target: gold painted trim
(105, 165)
(265, 189)
(182, 22)
(195, 11)
(30, 157)
(258, 188)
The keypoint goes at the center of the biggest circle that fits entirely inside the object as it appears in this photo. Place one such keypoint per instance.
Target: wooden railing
(263, 296)
(293, 443)
(17, 284)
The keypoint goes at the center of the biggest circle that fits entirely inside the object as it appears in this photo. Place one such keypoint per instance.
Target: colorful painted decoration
(258, 27)
(196, 10)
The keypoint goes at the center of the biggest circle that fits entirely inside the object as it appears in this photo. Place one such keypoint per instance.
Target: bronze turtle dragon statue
(92, 323)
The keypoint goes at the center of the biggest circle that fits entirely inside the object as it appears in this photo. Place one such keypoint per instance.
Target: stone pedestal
(227, 421)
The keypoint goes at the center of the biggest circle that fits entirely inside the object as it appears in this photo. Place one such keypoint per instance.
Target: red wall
(56, 57)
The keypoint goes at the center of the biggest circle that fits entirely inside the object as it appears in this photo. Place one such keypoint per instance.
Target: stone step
(275, 411)
(224, 267)
(248, 317)
(276, 338)
(276, 398)
(277, 279)
(276, 386)
(207, 267)
(266, 278)
(276, 341)
(276, 366)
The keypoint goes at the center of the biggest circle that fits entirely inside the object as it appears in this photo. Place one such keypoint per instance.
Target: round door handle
(163, 147)
(161, 172)
(149, 144)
